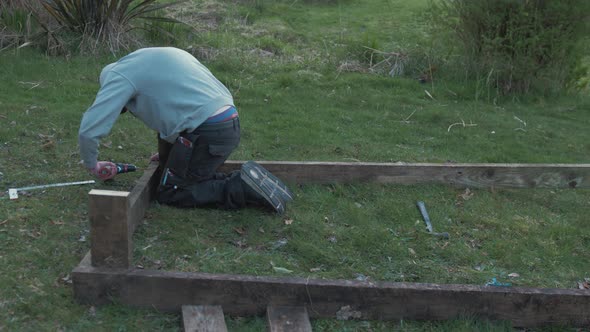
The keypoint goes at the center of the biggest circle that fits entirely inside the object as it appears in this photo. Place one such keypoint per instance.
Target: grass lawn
(283, 61)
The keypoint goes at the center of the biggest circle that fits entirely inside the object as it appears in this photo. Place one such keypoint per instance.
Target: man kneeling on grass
(197, 124)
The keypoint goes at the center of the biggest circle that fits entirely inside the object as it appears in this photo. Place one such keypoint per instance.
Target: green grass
(295, 105)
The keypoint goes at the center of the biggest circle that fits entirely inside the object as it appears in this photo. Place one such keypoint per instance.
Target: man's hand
(104, 170)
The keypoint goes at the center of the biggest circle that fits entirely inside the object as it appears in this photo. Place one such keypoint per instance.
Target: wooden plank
(459, 175)
(287, 319)
(110, 237)
(114, 216)
(250, 295)
(142, 194)
(203, 318)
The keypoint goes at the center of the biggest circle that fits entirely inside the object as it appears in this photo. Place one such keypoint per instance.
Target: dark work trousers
(203, 185)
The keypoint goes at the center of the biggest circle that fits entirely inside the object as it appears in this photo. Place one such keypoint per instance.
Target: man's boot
(260, 185)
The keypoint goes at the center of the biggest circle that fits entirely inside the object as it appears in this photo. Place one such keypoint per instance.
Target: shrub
(108, 20)
(517, 45)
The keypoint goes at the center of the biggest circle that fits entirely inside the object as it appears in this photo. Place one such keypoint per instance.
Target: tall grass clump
(18, 24)
(109, 21)
(517, 46)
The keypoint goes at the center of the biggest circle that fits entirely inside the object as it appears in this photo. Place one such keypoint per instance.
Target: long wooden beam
(250, 295)
(460, 175)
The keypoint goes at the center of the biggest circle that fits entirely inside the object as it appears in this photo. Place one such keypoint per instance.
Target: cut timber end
(203, 318)
(109, 230)
(109, 193)
(114, 215)
(287, 319)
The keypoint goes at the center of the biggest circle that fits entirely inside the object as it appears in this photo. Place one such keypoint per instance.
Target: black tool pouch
(181, 154)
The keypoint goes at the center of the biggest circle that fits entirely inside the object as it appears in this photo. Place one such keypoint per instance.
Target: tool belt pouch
(180, 155)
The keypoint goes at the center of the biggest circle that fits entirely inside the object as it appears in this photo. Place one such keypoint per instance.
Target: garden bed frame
(107, 273)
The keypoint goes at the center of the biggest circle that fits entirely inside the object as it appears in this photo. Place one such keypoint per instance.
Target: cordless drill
(125, 168)
(121, 168)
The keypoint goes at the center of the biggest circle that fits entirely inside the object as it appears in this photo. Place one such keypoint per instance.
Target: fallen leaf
(514, 275)
(57, 222)
(107, 145)
(358, 205)
(583, 285)
(240, 230)
(4, 222)
(120, 147)
(467, 194)
(412, 252)
(332, 239)
(281, 269)
(261, 230)
(63, 280)
(82, 238)
(288, 221)
(315, 269)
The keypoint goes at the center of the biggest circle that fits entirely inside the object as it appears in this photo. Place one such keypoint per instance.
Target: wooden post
(111, 244)
(114, 215)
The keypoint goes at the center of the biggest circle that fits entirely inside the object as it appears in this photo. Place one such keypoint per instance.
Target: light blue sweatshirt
(167, 88)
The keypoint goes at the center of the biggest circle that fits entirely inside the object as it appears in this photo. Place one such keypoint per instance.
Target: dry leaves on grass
(47, 141)
(279, 269)
(467, 194)
(242, 243)
(288, 221)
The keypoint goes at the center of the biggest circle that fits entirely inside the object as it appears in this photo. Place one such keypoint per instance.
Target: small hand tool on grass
(422, 208)
(13, 192)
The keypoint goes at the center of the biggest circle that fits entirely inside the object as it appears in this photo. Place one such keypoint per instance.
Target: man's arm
(101, 116)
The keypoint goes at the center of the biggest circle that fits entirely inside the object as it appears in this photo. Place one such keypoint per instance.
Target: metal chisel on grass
(422, 208)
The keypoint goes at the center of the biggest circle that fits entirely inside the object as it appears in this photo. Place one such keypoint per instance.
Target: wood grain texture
(109, 233)
(203, 318)
(458, 175)
(287, 319)
(114, 215)
(250, 295)
(142, 194)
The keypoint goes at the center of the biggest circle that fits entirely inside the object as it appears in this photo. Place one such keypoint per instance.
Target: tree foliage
(519, 45)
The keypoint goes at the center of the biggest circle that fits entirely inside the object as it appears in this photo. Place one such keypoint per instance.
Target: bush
(109, 21)
(517, 45)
